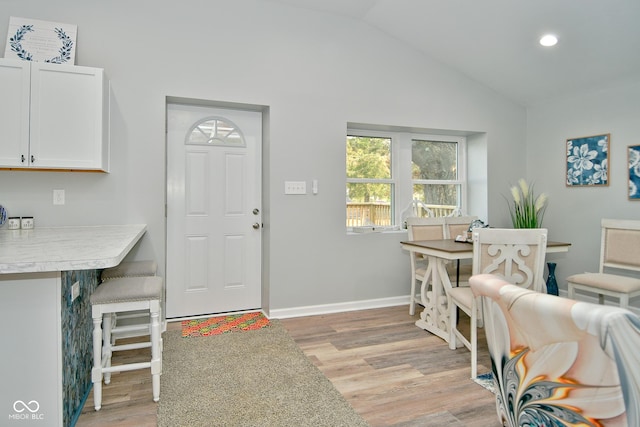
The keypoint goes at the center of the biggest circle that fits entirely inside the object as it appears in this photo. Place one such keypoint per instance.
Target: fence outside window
(379, 213)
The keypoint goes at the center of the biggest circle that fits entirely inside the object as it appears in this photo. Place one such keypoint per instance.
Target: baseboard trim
(313, 310)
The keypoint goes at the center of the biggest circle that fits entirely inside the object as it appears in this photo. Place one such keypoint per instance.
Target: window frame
(461, 167)
(401, 180)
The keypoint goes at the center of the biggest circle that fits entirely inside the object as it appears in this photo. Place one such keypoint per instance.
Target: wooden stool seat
(120, 296)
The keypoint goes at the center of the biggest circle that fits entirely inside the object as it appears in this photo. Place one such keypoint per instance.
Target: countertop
(66, 248)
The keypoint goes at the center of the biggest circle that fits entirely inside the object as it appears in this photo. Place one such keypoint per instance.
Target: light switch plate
(295, 187)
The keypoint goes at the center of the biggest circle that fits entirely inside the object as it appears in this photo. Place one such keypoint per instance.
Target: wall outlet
(58, 197)
(75, 291)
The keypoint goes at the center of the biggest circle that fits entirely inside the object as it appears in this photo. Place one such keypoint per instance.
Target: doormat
(486, 381)
(223, 324)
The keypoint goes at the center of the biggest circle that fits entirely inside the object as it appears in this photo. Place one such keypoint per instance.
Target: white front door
(214, 212)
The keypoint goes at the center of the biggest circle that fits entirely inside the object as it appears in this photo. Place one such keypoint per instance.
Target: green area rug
(254, 378)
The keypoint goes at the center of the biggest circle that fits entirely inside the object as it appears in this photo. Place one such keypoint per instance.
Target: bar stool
(130, 269)
(126, 325)
(120, 296)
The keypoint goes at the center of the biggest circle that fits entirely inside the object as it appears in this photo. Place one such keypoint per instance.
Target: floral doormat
(223, 324)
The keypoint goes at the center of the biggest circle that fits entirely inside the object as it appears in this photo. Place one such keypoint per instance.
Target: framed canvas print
(41, 41)
(587, 161)
(633, 155)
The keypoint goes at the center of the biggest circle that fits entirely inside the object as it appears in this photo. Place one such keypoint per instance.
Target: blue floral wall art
(587, 161)
(633, 155)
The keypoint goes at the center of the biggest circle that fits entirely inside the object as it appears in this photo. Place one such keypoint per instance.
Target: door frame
(265, 113)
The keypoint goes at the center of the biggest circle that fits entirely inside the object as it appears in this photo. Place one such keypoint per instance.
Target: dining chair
(456, 226)
(515, 255)
(559, 362)
(417, 209)
(619, 250)
(421, 229)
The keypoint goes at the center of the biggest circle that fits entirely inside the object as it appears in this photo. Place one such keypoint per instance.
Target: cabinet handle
(33, 159)
(22, 158)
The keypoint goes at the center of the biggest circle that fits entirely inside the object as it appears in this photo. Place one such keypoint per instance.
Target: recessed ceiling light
(548, 40)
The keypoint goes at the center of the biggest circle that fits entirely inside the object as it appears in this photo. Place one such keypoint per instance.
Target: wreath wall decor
(41, 41)
(65, 49)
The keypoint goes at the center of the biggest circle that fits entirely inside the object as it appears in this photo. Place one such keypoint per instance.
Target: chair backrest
(457, 225)
(516, 255)
(425, 228)
(415, 209)
(558, 359)
(620, 245)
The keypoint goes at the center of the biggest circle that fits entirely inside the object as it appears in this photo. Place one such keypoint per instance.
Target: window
(434, 172)
(393, 175)
(215, 131)
(369, 181)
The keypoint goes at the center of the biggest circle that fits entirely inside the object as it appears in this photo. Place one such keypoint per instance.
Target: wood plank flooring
(391, 372)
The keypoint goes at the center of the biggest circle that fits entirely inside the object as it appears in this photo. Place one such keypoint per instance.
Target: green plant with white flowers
(527, 210)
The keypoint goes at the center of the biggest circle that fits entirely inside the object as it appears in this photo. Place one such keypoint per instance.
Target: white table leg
(434, 317)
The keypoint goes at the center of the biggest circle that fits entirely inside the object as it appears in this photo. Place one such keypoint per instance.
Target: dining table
(435, 315)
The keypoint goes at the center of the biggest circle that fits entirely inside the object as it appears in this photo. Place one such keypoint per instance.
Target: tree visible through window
(369, 186)
(434, 170)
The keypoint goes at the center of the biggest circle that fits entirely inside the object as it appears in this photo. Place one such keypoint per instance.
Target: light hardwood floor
(390, 371)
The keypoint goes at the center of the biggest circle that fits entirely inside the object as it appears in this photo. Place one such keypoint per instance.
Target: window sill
(373, 229)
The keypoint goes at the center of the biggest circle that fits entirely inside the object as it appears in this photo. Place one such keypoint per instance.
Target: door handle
(256, 225)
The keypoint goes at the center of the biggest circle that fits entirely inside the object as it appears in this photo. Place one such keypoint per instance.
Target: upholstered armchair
(559, 362)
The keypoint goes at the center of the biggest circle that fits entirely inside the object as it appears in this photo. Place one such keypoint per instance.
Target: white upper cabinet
(14, 111)
(53, 117)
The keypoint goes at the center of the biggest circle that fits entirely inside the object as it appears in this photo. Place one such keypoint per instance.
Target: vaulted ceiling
(495, 42)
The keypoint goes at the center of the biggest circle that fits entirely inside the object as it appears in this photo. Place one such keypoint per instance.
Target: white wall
(574, 213)
(315, 73)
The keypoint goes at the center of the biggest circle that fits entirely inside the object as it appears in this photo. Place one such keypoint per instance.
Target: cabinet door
(67, 122)
(14, 112)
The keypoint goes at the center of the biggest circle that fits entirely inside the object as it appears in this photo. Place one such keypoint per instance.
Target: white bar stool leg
(96, 372)
(156, 350)
(107, 343)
